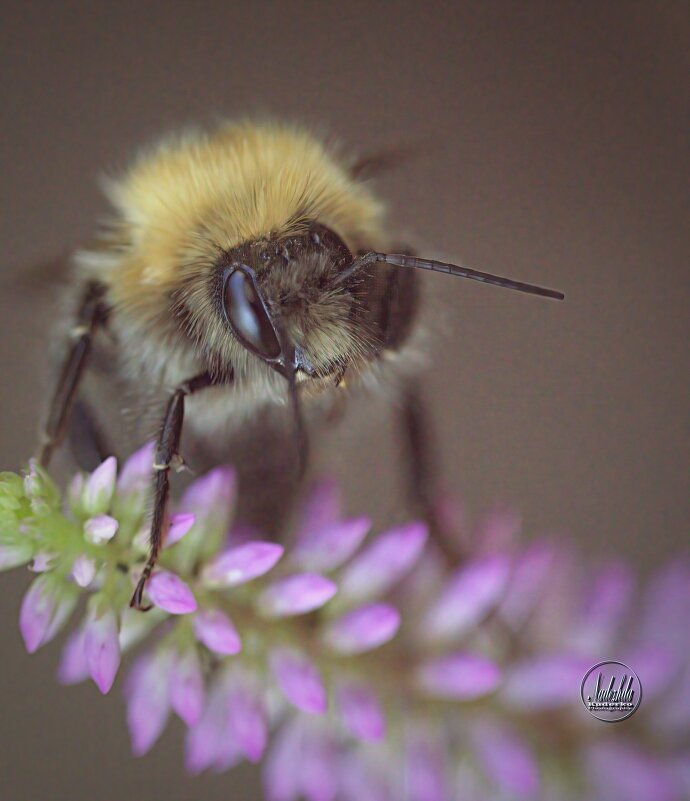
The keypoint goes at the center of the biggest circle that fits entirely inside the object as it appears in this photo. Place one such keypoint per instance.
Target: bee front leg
(91, 313)
(167, 457)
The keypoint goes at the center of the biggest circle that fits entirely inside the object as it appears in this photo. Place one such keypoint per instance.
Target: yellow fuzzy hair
(193, 194)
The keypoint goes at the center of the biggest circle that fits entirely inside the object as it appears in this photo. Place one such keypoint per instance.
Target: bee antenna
(401, 260)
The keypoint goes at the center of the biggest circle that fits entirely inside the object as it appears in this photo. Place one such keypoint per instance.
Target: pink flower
(209, 744)
(179, 526)
(148, 700)
(99, 488)
(324, 548)
(300, 680)
(296, 595)
(217, 632)
(361, 711)
(379, 566)
(544, 682)
(363, 629)
(211, 499)
(44, 611)
(84, 570)
(461, 676)
(100, 529)
(170, 593)
(453, 708)
(247, 723)
(242, 564)
(187, 687)
(74, 666)
(475, 590)
(507, 760)
(102, 649)
(136, 473)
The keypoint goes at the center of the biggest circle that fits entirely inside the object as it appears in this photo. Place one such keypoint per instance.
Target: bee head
(281, 298)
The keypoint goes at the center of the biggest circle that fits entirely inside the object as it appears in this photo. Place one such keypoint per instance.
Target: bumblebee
(240, 269)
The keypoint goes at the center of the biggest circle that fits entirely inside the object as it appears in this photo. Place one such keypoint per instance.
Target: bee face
(281, 300)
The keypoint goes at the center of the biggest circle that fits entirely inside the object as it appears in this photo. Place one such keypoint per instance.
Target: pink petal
(361, 712)
(201, 742)
(74, 492)
(300, 680)
(619, 771)
(426, 769)
(469, 596)
(217, 632)
(460, 676)
(102, 649)
(283, 768)
(303, 763)
(319, 779)
(187, 688)
(99, 488)
(180, 524)
(507, 760)
(363, 629)
(532, 571)
(296, 595)
(247, 719)
(212, 499)
(384, 562)
(606, 603)
(15, 554)
(84, 570)
(42, 562)
(44, 610)
(242, 564)
(74, 667)
(671, 714)
(657, 666)
(328, 547)
(148, 705)
(322, 509)
(137, 471)
(667, 599)
(545, 681)
(207, 741)
(170, 593)
(100, 529)
(610, 595)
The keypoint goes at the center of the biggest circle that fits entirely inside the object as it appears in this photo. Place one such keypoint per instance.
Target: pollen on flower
(352, 664)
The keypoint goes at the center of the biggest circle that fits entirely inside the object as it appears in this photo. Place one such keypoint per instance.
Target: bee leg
(88, 445)
(167, 455)
(421, 469)
(90, 315)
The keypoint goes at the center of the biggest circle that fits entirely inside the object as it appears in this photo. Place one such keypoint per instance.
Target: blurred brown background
(558, 154)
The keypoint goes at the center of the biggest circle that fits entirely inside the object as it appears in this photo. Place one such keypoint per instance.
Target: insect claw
(137, 601)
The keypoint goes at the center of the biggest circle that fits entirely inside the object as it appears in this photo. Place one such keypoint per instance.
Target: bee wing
(371, 165)
(40, 277)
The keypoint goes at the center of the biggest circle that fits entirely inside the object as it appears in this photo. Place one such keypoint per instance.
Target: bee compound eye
(248, 317)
